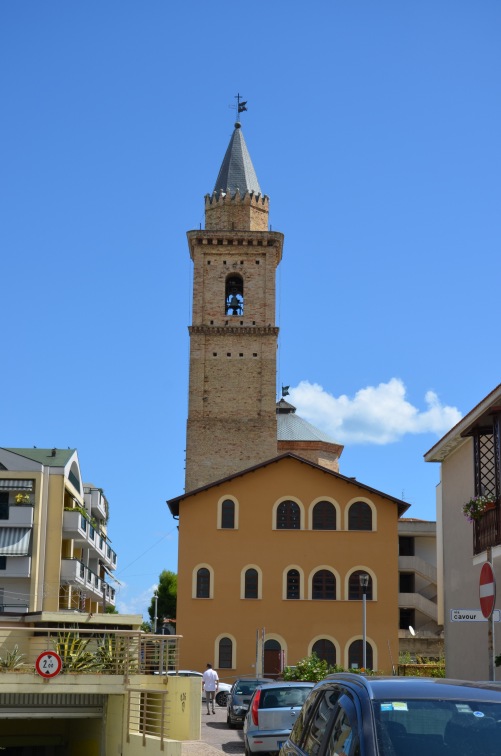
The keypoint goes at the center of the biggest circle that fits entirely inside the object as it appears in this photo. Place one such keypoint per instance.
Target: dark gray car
(239, 698)
(351, 715)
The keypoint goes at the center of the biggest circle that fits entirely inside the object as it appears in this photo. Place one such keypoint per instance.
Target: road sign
(487, 590)
(473, 615)
(48, 664)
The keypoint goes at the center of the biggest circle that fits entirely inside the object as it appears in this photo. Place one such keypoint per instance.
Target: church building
(276, 548)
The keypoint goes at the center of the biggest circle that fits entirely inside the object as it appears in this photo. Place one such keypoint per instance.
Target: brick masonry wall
(232, 391)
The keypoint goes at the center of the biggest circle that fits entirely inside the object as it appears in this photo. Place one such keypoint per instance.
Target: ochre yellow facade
(255, 543)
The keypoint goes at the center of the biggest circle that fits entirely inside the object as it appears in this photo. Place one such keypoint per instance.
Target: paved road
(216, 733)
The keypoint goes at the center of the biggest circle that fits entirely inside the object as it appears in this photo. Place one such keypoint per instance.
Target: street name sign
(487, 590)
(473, 615)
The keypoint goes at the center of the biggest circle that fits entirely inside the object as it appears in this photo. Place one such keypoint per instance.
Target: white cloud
(375, 415)
(135, 604)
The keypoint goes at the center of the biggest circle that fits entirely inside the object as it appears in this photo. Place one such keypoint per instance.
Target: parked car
(349, 714)
(239, 698)
(272, 713)
(222, 693)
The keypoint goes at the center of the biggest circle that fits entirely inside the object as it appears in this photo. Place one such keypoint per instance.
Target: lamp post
(156, 613)
(364, 582)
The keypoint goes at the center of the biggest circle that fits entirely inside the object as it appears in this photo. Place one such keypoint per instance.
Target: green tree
(167, 599)
(310, 669)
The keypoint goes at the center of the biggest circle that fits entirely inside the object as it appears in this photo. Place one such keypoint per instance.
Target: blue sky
(373, 127)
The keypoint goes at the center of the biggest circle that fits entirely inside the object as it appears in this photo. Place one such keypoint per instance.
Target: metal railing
(89, 651)
(148, 713)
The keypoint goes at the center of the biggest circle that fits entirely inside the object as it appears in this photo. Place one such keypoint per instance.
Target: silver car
(272, 713)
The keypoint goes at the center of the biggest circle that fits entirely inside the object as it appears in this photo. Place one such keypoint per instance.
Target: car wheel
(230, 723)
(222, 698)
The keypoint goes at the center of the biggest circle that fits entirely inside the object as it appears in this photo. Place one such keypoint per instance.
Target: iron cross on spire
(241, 106)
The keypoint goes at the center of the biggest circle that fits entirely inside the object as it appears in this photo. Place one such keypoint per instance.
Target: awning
(109, 573)
(15, 541)
(16, 485)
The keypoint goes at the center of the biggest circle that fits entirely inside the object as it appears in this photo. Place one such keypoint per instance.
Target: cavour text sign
(473, 615)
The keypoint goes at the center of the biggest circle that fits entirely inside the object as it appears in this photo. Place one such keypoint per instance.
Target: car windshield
(407, 727)
(246, 687)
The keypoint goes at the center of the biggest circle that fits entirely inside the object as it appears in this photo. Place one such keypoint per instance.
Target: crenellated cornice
(211, 330)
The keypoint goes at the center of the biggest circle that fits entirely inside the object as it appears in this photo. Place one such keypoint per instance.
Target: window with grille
(324, 585)
(356, 656)
(225, 653)
(203, 583)
(355, 590)
(251, 583)
(360, 516)
(324, 516)
(288, 516)
(228, 514)
(325, 650)
(293, 584)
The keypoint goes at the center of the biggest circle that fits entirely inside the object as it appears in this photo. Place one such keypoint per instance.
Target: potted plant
(477, 506)
(22, 498)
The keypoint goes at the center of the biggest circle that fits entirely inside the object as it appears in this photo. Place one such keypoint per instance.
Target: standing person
(210, 683)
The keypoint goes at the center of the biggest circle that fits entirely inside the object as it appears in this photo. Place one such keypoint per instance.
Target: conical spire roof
(237, 171)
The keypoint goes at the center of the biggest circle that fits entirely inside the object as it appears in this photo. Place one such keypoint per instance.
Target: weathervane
(239, 107)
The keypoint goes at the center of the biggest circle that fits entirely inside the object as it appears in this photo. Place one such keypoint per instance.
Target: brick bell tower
(232, 420)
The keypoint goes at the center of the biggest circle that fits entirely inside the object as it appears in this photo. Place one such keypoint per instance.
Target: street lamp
(364, 582)
(156, 613)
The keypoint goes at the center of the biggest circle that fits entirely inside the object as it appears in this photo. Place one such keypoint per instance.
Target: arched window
(360, 516)
(251, 583)
(288, 516)
(324, 585)
(228, 514)
(293, 584)
(325, 650)
(355, 590)
(234, 302)
(203, 583)
(356, 657)
(225, 653)
(324, 516)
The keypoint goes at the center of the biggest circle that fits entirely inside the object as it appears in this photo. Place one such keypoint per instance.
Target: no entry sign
(487, 590)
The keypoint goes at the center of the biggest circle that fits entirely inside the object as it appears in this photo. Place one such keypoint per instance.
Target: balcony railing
(107, 652)
(77, 527)
(486, 530)
(18, 514)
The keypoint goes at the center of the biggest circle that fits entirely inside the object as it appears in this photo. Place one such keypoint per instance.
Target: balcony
(75, 526)
(109, 594)
(96, 503)
(19, 514)
(109, 652)
(78, 527)
(486, 530)
(75, 572)
(16, 567)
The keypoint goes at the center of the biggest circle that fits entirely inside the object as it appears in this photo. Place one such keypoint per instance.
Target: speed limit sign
(48, 664)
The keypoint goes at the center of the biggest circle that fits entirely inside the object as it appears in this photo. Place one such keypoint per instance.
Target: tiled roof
(237, 171)
(45, 456)
(291, 427)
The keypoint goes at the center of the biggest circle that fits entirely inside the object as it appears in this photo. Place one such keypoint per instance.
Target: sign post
(487, 593)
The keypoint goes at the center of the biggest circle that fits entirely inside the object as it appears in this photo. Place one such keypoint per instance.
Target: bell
(233, 307)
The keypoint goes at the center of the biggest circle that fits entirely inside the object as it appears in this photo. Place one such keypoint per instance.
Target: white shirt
(210, 679)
